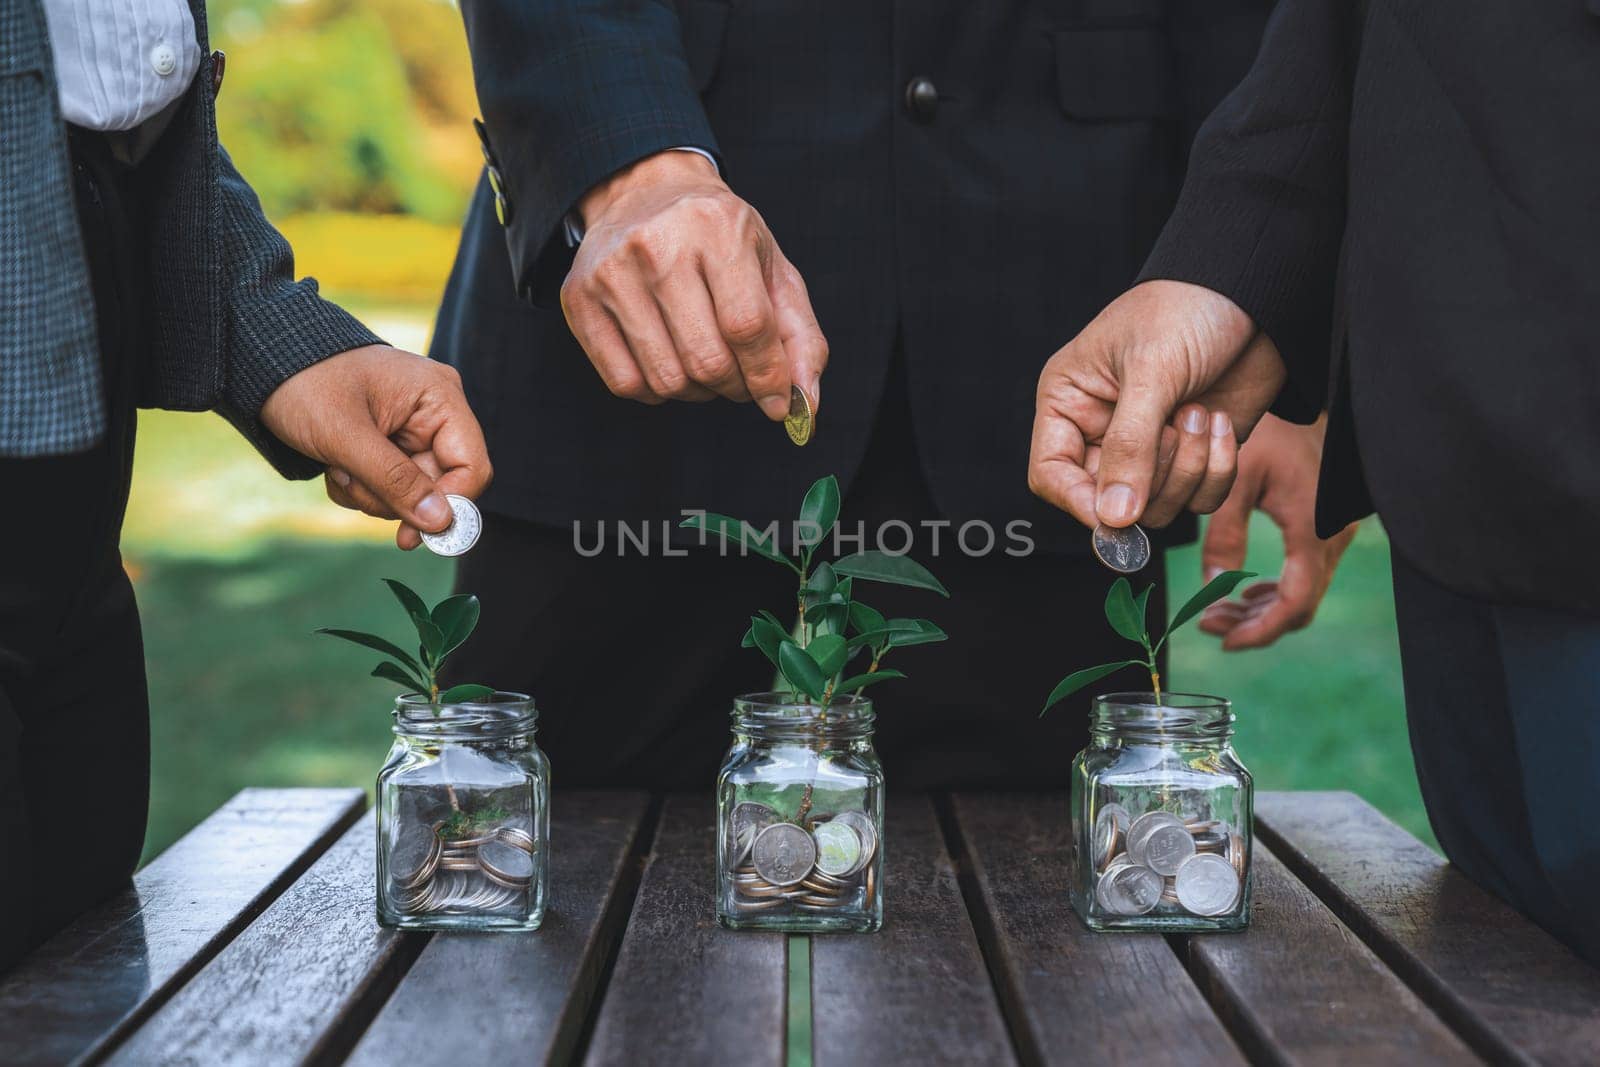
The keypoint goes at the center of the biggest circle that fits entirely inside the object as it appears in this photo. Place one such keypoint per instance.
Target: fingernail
(434, 511)
(1221, 425)
(341, 478)
(1194, 420)
(815, 393)
(1211, 572)
(775, 406)
(1116, 503)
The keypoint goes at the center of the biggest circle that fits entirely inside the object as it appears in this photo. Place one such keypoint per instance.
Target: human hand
(1277, 475)
(679, 291)
(1103, 447)
(394, 430)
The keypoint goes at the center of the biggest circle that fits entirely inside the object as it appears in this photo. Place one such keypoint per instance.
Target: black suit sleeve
(1261, 215)
(573, 91)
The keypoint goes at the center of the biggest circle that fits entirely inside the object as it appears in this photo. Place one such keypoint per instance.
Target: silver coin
(1124, 549)
(1110, 832)
(1236, 854)
(744, 823)
(1166, 847)
(1207, 884)
(463, 531)
(863, 825)
(784, 853)
(1141, 828)
(505, 862)
(747, 906)
(414, 857)
(1129, 889)
(1211, 841)
(839, 848)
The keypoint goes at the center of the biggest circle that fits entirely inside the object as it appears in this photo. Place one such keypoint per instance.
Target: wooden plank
(298, 984)
(1298, 987)
(1509, 987)
(1072, 995)
(684, 990)
(916, 991)
(97, 979)
(523, 998)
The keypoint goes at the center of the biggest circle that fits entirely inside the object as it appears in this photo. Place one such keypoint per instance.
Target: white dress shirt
(118, 62)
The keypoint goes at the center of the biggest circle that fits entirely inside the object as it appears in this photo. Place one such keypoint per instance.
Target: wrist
(671, 166)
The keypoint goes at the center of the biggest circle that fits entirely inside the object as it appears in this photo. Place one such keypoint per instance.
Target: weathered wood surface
(1299, 987)
(299, 983)
(1511, 988)
(1071, 995)
(683, 989)
(918, 990)
(97, 979)
(512, 998)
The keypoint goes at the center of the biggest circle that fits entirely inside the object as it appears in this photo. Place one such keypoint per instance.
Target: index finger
(750, 326)
(1057, 471)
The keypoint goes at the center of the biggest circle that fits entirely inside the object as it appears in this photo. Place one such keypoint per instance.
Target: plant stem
(805, 805)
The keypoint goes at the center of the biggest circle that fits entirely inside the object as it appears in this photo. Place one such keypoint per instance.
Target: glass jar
(800, 818)
(1161, 816)
(464, 817)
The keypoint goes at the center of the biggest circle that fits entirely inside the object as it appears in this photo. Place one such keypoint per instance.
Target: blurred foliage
(374, 258)
(349, 105)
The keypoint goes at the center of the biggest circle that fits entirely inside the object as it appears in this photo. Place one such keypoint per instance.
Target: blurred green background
(369, 177)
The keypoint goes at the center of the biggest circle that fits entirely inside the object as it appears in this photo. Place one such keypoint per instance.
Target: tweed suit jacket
(229, 322)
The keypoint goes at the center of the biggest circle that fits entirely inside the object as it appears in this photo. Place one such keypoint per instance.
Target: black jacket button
(922, 99)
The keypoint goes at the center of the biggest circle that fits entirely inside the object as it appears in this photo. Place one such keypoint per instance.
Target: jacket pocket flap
(1114, 72)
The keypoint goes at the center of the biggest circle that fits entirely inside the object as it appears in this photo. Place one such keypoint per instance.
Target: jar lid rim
(786, 704)
(503, 712)
(1175, 702)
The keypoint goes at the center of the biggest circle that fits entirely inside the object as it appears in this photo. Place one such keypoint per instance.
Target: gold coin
(799, 422)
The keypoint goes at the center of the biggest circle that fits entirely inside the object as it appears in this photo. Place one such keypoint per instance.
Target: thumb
(1128, 453)
(804, 345)
(377, 463)
(1227, 537)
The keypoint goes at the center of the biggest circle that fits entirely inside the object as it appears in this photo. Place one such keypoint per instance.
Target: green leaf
(392, 672)
(821, 584)
(865, 619)
(801, 670)
(877, 566)
(1078, 679)
(456, 617)
(818, 512)
(904, 633)
(861, 681)
(738, 532)
(414, 605)
(1214, 590)
(1123, 613)
(376, 643)
(767, 636)
(432, 640)
(466, 693)
(829, 651)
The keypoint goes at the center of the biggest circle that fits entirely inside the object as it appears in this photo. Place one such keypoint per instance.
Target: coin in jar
(462, 533)
(1125, 549)
(1129, 889)
(1166, 847)
(784, 853)
(505, 862)
(839, 848)
(744, 823)
(1207, 884)
(862, 823)
(1110, 830)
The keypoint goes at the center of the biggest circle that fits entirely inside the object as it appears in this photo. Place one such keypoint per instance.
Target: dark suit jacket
(1421, 183)
(981, 235)
(229, 322)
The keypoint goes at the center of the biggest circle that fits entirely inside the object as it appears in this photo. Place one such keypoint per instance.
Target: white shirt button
(163, 59)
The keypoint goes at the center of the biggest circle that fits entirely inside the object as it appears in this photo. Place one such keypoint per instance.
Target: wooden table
(253, 941)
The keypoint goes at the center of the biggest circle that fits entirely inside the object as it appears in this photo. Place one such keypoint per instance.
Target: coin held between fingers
(800, 423)
(463, 531)
(1125, 549)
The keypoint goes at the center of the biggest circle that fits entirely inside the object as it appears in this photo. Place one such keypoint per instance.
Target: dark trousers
(1505, 728)
(635, 660)
(74, 721)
